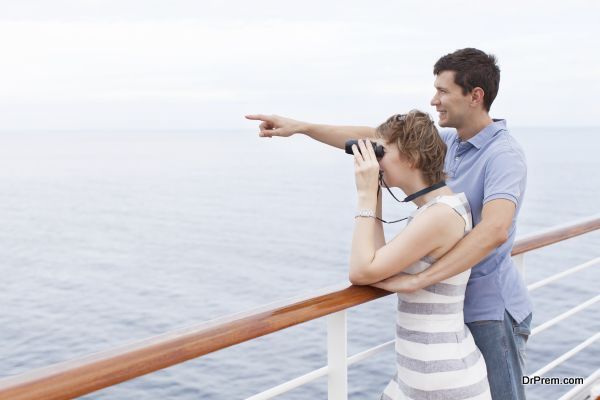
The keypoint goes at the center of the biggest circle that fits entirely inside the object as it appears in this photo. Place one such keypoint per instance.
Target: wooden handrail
(85, 375)
(556, 234)
(88, 374)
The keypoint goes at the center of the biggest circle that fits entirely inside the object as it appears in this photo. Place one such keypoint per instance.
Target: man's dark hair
(473, 68)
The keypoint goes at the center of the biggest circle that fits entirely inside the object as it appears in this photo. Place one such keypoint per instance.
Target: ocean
(112, 237)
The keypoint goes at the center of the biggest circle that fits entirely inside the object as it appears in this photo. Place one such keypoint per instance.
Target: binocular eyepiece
(379, 150)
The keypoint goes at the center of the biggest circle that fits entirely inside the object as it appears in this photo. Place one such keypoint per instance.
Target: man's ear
(477, 95)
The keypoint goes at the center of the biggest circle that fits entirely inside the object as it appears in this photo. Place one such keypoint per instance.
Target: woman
(436, 356)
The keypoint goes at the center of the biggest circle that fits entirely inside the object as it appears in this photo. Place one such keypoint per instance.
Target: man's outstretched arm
(491, 232)
(333, 135)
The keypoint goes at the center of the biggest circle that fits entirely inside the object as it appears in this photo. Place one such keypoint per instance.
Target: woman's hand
(366, 168)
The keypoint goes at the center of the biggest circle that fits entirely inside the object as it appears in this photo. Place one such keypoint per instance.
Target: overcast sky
(121, 65)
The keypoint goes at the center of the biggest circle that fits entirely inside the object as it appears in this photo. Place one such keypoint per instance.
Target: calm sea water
(108, 238)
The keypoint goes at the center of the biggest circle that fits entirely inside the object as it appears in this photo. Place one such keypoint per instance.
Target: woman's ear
(411, 160)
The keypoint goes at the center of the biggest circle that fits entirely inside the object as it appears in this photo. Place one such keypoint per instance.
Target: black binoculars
(379, 150)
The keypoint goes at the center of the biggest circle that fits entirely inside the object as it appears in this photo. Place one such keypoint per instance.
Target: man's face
(449, 101)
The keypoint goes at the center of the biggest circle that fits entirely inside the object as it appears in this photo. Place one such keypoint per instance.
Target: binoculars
(379, 150)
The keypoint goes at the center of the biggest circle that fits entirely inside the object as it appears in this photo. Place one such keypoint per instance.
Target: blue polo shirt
(491, 165)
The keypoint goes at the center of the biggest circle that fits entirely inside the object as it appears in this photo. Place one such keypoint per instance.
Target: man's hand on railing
(402, 282)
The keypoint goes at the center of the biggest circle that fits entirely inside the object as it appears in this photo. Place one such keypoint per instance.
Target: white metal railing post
(337, 358)
(519, 261)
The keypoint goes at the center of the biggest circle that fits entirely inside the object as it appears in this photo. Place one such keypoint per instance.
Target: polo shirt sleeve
(505, 177)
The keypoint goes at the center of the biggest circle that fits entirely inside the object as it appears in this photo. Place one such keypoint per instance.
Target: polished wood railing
(88, 374)
(555, 235)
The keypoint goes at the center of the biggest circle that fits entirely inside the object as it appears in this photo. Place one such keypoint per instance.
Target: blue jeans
(502, 344)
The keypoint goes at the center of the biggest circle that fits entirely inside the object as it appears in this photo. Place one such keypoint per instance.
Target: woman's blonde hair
(418, 140)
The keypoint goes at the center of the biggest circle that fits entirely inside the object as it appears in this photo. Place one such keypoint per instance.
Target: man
(485, 162)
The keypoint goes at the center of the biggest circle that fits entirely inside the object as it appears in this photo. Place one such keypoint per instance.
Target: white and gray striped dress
(436, 356)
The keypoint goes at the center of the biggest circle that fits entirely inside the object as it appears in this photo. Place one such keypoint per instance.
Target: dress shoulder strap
(459, 203)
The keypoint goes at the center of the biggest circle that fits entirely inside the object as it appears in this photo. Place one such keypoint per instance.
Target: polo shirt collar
(487, 133)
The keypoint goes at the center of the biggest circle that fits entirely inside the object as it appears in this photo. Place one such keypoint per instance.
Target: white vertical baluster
(519, 261)
(337, 356)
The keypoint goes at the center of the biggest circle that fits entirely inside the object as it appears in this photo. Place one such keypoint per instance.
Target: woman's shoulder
(442, 227)
(457, 201)
(450, 213)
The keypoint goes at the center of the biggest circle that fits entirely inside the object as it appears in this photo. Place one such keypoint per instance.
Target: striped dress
(436, 356)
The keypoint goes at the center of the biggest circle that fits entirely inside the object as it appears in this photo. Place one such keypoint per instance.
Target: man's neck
(475, 126)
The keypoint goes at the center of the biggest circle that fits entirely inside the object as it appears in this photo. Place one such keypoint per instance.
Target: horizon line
(221, 129)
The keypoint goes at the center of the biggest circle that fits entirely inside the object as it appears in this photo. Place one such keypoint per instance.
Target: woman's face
(394, 165)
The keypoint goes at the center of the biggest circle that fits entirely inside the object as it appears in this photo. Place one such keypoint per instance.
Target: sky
(202, 65)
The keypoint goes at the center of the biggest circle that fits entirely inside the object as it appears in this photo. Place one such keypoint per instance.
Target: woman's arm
(433, 229)
(368, 232)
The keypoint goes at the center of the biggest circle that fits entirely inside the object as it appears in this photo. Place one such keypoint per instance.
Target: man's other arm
(491, 232)
(333, 135)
